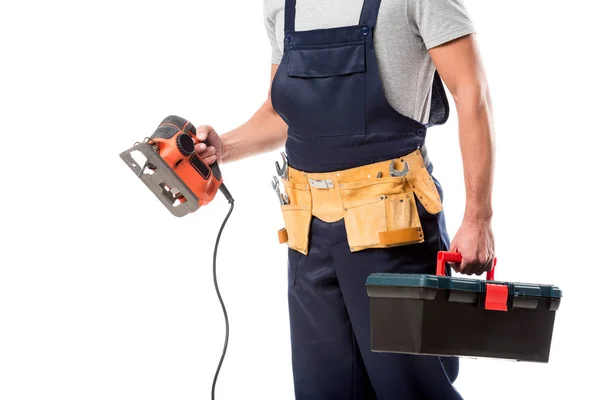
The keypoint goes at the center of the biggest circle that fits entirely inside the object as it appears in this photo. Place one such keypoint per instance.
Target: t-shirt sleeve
(269, 20)
(439, 21)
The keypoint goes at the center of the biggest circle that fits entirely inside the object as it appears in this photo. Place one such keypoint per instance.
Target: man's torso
(405, 29)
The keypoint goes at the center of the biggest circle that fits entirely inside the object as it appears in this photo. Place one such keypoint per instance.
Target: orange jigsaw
(169, 166)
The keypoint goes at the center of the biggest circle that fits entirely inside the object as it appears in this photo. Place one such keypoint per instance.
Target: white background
(105, 295)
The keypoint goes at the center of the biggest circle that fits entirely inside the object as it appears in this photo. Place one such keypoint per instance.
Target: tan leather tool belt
(379, 210)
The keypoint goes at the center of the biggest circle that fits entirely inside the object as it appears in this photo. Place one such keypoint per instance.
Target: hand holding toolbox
(447, 316)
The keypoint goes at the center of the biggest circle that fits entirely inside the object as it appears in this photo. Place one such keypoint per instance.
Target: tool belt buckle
(321, 183)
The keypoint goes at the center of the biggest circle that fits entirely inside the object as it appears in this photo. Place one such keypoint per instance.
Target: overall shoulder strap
(370, 11)
(290, 15)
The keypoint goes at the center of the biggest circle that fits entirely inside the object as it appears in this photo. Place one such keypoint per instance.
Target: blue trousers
(329, 320)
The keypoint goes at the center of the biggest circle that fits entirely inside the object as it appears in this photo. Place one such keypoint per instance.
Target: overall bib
(342, 130)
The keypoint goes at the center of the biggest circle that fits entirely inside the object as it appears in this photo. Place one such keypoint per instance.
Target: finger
(467, 266)
(200, 147)
(455, 267)
(464, 267)
(202, 132)
(477, 267)
(489, 264)
(469, 270)
(209, 152)
(484, 265)
(452, 265)
(210, 160)
(454, 249)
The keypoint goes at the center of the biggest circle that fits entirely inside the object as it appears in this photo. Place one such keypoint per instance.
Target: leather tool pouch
(297, 216)
(377, 212)
(383, 212)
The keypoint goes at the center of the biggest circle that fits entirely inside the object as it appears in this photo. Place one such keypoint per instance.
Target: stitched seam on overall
(354, 363)
(324, 46)
(367, 65)
(333, 134)
(399, 135)
(334, 163)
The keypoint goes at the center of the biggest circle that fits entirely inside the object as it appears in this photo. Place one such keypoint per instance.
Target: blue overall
(329, 92)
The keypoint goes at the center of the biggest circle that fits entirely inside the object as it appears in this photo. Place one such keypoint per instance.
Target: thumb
(454, 249)
(203, 131)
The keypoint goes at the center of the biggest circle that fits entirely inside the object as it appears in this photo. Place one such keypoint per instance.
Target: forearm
(264, 132)
(477, 137)
(460, 66)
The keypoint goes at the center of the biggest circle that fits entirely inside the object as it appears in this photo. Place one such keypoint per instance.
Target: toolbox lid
(461, 284)
(529, 290)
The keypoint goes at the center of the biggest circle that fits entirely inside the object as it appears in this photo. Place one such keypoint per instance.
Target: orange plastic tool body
(178, 153)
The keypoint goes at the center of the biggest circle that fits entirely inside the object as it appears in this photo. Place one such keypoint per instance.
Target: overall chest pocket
(328, 89)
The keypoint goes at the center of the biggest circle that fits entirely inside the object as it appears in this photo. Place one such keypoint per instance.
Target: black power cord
(231, 201)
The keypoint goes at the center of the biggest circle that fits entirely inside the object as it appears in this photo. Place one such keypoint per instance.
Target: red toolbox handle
(447, 256)
(496, 296)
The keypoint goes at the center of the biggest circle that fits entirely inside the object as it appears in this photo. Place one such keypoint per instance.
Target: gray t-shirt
(405, 30)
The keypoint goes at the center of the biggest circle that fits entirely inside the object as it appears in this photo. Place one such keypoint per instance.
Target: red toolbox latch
(496, 297)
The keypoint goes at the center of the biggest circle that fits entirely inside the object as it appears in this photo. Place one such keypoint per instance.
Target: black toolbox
(447, 316)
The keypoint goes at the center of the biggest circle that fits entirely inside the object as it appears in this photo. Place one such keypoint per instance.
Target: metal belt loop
(321, 183)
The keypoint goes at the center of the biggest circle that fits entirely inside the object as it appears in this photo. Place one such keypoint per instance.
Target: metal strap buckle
(321, 184)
